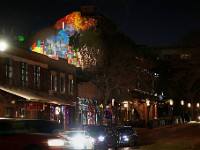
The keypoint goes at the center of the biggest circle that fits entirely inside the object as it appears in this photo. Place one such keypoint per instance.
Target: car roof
(124, 127)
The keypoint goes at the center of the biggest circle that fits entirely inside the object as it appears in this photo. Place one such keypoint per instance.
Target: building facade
(35, 86)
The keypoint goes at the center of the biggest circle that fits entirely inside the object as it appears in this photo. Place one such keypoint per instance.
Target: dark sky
(148, 22)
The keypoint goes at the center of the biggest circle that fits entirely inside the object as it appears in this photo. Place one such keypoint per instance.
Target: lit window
(62, 83)
(53, 82)
(24, 74)
(71, 83)
(9, 71)
(36, 77)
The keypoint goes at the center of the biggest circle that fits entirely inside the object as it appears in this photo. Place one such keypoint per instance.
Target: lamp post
(112, 108)
(182, 105)
(189, 106)
(171, 102)
(126, 106)
(198, 117)
(148, 110)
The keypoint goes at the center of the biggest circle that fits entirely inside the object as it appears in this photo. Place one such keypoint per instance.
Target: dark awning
(37, 97)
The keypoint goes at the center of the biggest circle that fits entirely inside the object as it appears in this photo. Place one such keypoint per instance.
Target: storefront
(17, 103)
(89, 112)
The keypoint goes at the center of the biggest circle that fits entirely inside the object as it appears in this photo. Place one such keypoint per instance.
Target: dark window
(62, 84)
(71, 84)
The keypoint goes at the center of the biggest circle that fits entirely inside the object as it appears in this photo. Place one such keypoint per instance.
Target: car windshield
(125, 130)
(97, 130)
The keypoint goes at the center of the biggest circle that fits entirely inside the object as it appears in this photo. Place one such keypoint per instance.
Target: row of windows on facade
(25, 78)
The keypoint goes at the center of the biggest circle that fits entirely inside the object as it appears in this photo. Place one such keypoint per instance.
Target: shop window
(37, 77)
(24, 74)
(9, 71)
(9, 112)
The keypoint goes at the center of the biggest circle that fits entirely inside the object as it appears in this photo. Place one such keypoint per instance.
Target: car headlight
(92, 140)
(80, 140)
(125, 138)
(56, 142)
(101, 138)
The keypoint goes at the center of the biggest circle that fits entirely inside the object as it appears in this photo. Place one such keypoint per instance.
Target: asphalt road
(176, 137)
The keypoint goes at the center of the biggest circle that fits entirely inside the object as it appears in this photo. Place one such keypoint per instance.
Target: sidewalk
(142, 130)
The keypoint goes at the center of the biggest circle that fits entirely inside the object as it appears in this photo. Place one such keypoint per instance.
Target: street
(176, 137)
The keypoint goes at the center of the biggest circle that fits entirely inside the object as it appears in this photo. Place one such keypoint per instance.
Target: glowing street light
(171, 102)
(198, 116)
(197, 105)
(3, 45)
(126, 106)
(182, 104)
(148, 111)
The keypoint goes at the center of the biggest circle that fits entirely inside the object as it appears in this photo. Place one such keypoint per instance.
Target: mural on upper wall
(65, 43)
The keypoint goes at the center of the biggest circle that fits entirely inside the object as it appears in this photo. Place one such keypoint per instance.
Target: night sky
(147, 22)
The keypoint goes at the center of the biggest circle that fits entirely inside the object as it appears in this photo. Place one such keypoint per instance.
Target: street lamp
(171, 102)
(198, 117)
(112, 108)
(189, 105)
(148, 110)
(126, 106)
(182, 105)
(3, 45)
(197, 105)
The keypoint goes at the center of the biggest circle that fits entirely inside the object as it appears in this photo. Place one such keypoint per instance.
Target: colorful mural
(63, 45)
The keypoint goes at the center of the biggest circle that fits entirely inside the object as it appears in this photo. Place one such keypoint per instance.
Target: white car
(78, 139)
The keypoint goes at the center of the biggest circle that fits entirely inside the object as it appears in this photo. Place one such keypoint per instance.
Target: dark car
(40, 125)
(15, 134)
(127, 135)
(104, 137)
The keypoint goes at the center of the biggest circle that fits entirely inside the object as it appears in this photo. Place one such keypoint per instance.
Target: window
(53, 81)
(36, 77)
(9, 71)
(71, 83)
(24, 74)
(62, 83)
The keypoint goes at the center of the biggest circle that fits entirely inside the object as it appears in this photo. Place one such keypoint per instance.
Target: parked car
(14, 134)
(78, 139)
(127, 135)
(104, 137)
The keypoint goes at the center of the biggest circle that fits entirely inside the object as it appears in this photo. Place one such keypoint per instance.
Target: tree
(186, 76)
(190, 39)
(111, 61)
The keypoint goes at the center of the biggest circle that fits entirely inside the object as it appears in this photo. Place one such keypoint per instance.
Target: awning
(35, 97)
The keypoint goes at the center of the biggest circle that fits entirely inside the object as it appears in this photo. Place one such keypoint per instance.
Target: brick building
(35, 86)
